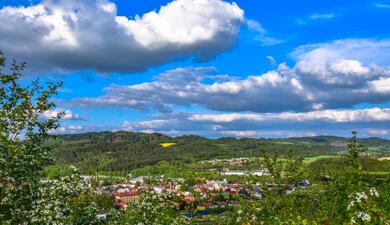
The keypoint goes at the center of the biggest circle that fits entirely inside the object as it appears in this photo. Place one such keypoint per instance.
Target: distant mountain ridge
(371, 141)
(313, 139)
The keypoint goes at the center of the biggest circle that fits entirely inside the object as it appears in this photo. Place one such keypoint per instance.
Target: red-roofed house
(126, 197)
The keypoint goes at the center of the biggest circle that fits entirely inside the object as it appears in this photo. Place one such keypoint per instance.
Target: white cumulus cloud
(305, 87)
(336, 116)
(66, 114)
(67, 35)
(285, 124)
(376, 131)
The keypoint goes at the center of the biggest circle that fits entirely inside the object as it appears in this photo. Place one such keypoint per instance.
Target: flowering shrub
(246, 213)
(153, 210)
(362, 208)
(25, 196)
(53, 199)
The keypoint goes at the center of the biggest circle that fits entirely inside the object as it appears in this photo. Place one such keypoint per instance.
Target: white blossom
(364, 216)
(374, 192)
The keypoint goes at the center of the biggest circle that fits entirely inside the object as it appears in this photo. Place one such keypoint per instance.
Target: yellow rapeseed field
(167, 145)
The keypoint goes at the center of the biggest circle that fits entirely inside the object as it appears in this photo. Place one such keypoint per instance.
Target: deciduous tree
(26, 197)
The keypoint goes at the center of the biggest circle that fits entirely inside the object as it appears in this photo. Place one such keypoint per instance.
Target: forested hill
(120, 151)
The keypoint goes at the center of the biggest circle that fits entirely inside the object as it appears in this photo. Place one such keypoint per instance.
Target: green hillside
(123, 151)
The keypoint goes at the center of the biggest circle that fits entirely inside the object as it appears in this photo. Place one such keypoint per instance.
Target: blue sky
(209, 67)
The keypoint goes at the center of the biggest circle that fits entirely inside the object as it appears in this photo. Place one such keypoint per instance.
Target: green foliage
(273, 164)
(246, 213)
(85, 207)
(354, 150)
(153, 210)
(285, 172)
(56, 171)
(26, 197)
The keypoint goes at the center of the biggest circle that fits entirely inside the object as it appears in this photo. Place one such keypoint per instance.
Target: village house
(137, 180)
(101, 215)
(126, 197)
(227, 172)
